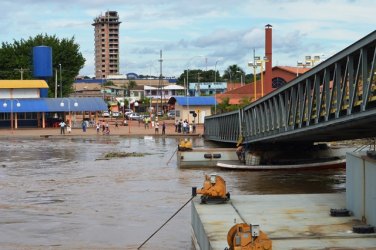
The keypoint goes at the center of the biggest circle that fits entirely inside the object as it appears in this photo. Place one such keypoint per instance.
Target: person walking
(98, 128)
(156, 125)
(163, 128)
(176, 125)
(83, 126)
(62, 125)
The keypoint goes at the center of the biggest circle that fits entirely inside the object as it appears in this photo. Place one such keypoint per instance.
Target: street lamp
(310, 61)
(215, 87)
(61, 83)
(5, 105)
(254, 66)
(299, 64)
(187, 84)
(69, 114)
(241, 77)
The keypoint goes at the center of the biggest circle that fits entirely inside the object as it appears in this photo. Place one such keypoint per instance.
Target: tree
(198, 75)
(65, 52)
(232, 73)
(131, 85)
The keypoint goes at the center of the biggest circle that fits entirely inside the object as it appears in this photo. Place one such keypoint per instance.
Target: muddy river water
(61, 194)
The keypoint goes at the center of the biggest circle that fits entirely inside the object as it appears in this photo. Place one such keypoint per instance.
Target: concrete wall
(361, 187)
(202, 111)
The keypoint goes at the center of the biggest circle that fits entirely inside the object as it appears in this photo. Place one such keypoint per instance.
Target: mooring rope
(165, 223)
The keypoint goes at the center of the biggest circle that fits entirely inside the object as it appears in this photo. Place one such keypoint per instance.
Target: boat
(320, 164)
(205, 157)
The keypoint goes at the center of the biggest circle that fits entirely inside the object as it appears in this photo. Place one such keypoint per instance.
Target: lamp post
(61, 83)
(241, 77)
(187, 85)
(62, 105)
(310, 61)
(254, 66)
(5, 105)
(215, 87)
(299, 64)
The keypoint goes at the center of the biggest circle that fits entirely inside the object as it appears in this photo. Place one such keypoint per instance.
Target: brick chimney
(268, 65)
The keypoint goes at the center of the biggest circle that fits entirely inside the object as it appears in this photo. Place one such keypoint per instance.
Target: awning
(20, 105)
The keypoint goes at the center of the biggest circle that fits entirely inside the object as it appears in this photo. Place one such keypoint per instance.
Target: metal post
(61, 83)
(55, 83)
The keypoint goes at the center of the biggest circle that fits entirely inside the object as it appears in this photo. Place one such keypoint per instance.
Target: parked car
(115, 114)
(160, 113)
(171, 114)
(134, 116)
(106, 114)
(128, 111)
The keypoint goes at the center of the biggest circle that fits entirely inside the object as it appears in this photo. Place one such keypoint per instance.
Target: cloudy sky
(196, 33)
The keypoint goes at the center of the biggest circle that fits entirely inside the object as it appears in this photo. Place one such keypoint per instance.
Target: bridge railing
(340, 89)
(224, 127)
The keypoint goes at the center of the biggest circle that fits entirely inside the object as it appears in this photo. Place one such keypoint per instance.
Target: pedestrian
(62, 125)
(176, 125)
(193, 127)
(103, 126)
(163, 128)
(185, 127)
(145, 122)
(156, 125)
(83, 126)
(179, 126)
(98, 127)
(69, 129)
(116, 124)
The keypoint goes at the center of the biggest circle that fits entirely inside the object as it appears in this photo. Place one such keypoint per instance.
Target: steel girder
(335, 100)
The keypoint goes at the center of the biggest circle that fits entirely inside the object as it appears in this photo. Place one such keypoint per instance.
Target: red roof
(236, 95)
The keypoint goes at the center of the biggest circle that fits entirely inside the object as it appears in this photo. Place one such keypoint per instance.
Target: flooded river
(62, 194)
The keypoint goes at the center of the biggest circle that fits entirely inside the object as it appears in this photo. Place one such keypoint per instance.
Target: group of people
(104, 126)
(184, 127)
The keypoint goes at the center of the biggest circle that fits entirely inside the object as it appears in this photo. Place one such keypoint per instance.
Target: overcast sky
(196, 33)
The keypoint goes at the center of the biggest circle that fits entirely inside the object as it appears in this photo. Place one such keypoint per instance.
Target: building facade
(106, 33)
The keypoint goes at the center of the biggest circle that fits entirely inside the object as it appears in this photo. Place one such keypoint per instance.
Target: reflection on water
(61, 193)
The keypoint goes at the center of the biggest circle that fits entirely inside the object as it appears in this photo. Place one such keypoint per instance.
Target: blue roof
(53, 105)
(195, 100)
(88, 81)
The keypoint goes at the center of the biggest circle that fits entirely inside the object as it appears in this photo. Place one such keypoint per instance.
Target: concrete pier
(298, 221)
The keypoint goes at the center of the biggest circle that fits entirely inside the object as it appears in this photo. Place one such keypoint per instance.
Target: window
(278, 82)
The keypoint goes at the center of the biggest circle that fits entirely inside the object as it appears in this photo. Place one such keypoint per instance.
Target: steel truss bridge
(336, 100)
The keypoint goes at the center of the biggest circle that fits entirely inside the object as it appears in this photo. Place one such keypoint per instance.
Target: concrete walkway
(133, 129)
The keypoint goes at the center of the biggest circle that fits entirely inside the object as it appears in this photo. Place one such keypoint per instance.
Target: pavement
(134, 128)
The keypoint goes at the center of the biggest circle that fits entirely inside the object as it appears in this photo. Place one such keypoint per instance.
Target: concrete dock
(298, 221)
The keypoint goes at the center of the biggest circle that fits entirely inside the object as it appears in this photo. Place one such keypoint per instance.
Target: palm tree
(131, 85)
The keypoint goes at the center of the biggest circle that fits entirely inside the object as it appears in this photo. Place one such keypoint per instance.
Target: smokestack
(268, 54)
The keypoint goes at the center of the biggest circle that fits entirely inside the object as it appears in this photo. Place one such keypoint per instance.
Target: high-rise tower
(106, 32)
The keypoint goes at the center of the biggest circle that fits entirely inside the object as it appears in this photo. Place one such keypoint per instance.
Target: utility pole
(160, 80)
(21, 70)
(55, 83)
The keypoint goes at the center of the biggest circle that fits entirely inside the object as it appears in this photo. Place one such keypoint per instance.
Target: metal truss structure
(336, 100)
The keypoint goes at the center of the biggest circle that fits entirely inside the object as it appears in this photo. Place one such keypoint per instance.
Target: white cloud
(187, 28)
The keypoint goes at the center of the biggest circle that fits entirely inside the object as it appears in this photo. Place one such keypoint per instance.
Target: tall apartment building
(106, 32)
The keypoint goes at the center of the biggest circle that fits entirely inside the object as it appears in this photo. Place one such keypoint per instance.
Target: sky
(196, 34)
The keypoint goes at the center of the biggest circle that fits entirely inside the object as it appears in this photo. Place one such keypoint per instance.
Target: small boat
(205, 157)
(320, 164)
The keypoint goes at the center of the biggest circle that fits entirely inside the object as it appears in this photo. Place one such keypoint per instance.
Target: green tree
(65, 52)
(131, 85)
(233, 73)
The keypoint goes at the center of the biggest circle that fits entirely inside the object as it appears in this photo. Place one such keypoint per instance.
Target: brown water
(60, 194)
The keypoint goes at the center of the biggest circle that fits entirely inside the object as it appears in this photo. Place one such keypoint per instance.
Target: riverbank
(134, 128)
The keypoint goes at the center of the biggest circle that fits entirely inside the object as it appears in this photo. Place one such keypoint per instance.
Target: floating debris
(123, 154)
